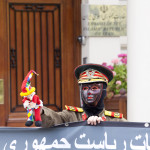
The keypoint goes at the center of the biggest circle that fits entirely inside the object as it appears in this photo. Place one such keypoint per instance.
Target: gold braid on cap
(92, 75)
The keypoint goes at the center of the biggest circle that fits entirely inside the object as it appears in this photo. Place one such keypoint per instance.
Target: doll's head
(30, 96)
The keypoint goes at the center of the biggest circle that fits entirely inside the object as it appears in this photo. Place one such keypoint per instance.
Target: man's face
(91, 93)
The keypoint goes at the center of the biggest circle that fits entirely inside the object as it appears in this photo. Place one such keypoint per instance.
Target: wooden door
(42, 37)
(35, 44)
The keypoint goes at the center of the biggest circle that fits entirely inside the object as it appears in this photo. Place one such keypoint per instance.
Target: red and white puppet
(31, 101)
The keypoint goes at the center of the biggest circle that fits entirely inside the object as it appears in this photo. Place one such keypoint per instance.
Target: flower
(110, 67)
(115, 61)
(122, 55)
(118, 82)
(118, 85)
(104, 64)
(124, 60)
(114, 73)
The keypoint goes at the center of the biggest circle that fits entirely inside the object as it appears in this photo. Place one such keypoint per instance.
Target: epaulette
(72, 108)
(113, 114)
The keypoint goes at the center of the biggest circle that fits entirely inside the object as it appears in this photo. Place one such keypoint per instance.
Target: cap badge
(90, 73)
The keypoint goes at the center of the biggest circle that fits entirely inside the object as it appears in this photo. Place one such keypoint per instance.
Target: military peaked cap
(93, 73)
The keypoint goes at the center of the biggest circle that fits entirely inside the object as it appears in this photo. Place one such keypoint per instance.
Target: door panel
(35, 44)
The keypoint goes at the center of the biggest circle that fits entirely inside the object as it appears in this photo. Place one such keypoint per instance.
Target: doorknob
(82, 39)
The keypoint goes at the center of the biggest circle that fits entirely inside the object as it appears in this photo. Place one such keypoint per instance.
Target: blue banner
(78, 136)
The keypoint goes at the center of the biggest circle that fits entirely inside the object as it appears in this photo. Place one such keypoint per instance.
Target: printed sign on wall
(104, 20)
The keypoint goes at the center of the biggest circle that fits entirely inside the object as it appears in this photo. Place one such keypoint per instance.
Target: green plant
(119, 83)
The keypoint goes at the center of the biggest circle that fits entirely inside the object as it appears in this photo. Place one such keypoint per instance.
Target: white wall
(99, 50)
(139, 61)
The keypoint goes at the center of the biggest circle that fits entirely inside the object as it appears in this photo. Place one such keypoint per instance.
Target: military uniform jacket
(51, 118)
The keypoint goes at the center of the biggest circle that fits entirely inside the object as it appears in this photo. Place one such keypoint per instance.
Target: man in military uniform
(93, 80)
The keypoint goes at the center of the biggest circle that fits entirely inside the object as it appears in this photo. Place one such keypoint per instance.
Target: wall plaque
(104, 20)
(1, 91)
